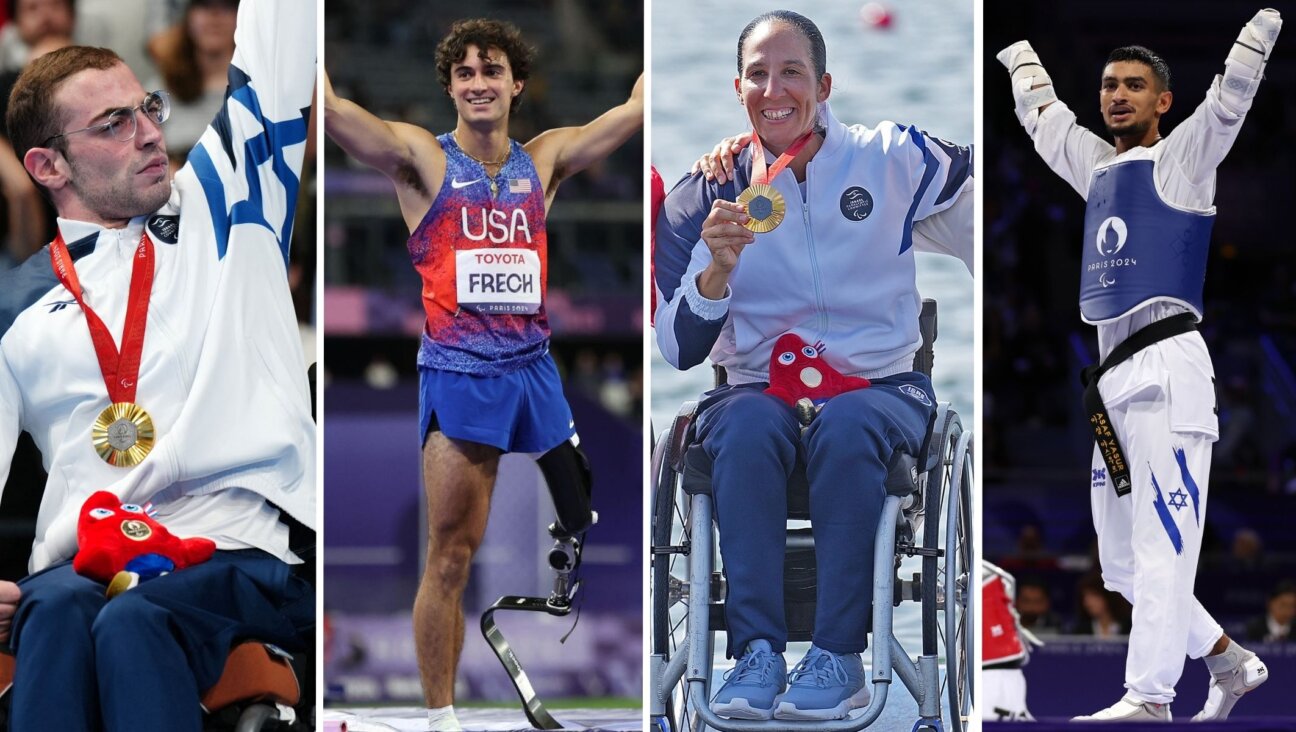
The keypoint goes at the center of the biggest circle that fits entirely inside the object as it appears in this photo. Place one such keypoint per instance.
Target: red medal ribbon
(759, 175)
(120, 369)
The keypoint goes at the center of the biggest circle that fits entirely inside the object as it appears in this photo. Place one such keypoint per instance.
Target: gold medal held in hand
(765, 207)
(123, 434)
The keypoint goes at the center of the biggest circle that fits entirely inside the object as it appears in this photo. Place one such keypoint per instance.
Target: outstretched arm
(1202, 140)
(1066, 147)
(1032, 87)
(407, 154)
(370, 140)
(249, 160)
(1245, 65)
(949, 231)
(562, 152)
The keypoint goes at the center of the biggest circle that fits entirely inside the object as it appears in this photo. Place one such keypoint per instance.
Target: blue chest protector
(1137, 248)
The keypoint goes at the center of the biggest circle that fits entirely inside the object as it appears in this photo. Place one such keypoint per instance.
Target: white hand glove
(1256, 41)
(1244, 67)
(1031, 85)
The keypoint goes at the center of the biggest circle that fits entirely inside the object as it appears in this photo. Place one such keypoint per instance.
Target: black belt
(1104, 435)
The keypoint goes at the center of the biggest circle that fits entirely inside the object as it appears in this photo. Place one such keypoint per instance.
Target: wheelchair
(260, 688)
(926, 513)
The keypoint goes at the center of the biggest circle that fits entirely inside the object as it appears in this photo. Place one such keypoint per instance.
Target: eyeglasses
(121, 124)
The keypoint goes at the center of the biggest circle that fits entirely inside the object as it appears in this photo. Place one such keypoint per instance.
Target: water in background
(918, 72)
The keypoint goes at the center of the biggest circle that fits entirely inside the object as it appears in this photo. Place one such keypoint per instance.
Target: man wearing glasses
(152, 350)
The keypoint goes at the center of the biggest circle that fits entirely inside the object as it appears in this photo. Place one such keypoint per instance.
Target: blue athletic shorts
(522, 411)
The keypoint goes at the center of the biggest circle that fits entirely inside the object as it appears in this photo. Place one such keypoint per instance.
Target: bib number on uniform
(498, 281)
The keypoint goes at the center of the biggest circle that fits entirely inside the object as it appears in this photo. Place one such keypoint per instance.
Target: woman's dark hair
(805, 26)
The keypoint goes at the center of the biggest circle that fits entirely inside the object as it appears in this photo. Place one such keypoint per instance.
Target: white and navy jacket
(840, 268)
(222, 374)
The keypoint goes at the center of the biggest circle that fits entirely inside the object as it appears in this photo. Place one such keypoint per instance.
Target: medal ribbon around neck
(765, 205)
(123, 433)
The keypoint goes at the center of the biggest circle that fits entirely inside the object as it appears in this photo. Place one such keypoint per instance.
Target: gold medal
(123, 434)
(765, 207)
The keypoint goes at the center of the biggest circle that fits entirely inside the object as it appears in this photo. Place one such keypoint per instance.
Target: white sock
(1232, 656)
(443, 719)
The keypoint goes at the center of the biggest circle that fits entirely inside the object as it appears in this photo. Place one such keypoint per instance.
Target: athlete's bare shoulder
(407, 154)
(544, 150)
(564, 151)
(423, 167)
(419, 174)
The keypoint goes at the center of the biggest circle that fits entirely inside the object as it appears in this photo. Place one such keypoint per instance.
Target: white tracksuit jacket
(840, 268)
(222, 373)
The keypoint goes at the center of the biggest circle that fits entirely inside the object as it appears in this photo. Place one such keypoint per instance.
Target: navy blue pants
(754, 441)
(142, 660)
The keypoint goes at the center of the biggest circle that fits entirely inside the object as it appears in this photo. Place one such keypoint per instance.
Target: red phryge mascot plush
(797, 372)
(121, 545)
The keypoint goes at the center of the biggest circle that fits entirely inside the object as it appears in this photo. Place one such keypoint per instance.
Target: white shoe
(1130, 710)
(1226, 688)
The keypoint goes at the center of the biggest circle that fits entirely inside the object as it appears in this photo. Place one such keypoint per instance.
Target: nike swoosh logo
(454, 183)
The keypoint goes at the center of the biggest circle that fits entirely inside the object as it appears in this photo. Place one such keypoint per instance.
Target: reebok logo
(455, 184)
(58, 305)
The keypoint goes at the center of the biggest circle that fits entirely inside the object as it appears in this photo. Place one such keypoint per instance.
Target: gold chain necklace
(501, 161)
(494, 184)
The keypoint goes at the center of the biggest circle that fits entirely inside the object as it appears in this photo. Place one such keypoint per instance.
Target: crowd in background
(1246, 586)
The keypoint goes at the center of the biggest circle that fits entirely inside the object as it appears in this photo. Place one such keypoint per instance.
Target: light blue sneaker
(825, 685)
(752, 684)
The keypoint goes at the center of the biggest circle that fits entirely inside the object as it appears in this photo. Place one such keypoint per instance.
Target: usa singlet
(483, 258)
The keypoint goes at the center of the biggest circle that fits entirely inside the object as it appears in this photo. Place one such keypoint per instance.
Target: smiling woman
(782, 78)
(734, 279)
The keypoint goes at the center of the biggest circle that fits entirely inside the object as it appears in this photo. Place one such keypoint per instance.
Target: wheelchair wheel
(960, 620)
(671, 534)
(946, 606)
(936, 482)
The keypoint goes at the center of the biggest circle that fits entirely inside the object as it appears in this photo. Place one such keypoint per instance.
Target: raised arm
(1202, 140)
(690, 315)
(562, 152)
(408, 154)
(250, 158)
(362, 135)
(1032, 87)
(1068, 149)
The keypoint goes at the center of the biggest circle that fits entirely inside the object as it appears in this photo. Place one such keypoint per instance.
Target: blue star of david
(1178, 499)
